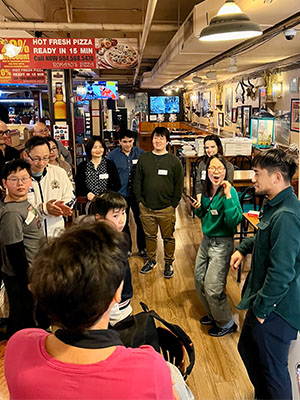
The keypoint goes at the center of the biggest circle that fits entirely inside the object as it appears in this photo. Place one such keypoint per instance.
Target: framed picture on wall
(294, 85)
(233, 115)
(246, 114)
(220, 119)
(295, 117)
(239, 112)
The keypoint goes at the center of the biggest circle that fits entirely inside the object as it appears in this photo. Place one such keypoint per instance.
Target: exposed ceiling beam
(147, 26)
(68, 27)
(69, 11)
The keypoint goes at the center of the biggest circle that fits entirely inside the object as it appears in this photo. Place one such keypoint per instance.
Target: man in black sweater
(158, 187)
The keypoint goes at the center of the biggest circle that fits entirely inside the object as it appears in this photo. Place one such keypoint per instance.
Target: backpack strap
(179, 333)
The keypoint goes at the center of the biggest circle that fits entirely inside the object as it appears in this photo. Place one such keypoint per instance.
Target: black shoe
(143, 253)
(148, 266)
(218, 332)
(206, 320)
(168, 272)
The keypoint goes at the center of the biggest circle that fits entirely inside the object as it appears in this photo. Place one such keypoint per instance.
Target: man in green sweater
(158, 187)
(272, 289)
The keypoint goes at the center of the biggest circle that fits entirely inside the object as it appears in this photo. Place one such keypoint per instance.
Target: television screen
(101, 90)
(164, 104)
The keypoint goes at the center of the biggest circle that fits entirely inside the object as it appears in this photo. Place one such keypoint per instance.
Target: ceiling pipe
(147, 26)
(68, 27)
(267, 35)
(69, 11)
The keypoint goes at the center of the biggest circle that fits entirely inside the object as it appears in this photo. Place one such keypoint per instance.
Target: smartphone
(191, 198)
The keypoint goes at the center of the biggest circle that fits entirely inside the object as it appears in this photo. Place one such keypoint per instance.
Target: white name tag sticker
(162, 172)
(135, 161)
(103, 176)
(214, 212)
(203, 175)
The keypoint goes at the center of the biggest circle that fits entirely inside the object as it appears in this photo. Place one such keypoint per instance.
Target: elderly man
(7, 153)
(272, 290)
(51, 190)
(40, 129)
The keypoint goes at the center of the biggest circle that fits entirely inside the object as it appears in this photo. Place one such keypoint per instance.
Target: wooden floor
(219, 373)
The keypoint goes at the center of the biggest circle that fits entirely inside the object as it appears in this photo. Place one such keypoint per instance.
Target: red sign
(19, 75)
(49, 53)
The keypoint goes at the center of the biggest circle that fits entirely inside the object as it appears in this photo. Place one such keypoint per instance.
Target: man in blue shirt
(126, 157)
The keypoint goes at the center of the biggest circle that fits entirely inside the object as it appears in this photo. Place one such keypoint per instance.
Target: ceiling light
(169, 91)
(197, 79)
(230, 24)
(211, 74)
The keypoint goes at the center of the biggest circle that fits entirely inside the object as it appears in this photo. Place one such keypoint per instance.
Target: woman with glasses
(55, 159)
(220, 212)
(97, 174)
(212, 146)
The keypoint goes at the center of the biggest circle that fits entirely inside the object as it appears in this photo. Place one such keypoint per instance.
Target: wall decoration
(220, 119)
(205, 103)
(294, 85)
(262, 97)
(295, 110)
(228, 106)
(282, 127)
(246, 113)
(234, 115)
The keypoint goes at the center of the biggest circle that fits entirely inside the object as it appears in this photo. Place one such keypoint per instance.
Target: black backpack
(140, 329)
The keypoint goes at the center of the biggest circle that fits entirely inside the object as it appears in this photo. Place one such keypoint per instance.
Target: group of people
(80, 279)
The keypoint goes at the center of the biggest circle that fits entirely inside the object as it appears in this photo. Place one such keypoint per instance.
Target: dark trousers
(21, 306)
(264, 350)
(140, 236)
(127, 291)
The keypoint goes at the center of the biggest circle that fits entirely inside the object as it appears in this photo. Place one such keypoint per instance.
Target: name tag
(135, 161)
(103, 176)
(214, 212)
(162, 172)
(30, 217)
(203, 175)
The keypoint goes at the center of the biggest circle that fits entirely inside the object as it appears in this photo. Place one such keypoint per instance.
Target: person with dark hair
(220, 212)
(272, 289)
(7, 153)
(20, 235)
(158, 187)
(77, 278)
(97, 174)
(212, 146)
(51, 190)
(40, 129)
(111, 206)
(126, 157)
(55, 159)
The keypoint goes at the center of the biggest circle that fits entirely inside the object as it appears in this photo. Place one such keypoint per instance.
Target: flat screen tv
(101, 90)
(164, 105)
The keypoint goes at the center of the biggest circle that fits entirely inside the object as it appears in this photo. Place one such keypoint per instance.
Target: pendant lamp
(230, 24)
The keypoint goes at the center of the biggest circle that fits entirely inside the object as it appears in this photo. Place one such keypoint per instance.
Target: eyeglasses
(7, 132)
(42, 130)
(218, 169)
(39, 159)
(53, 149)
(14, 181)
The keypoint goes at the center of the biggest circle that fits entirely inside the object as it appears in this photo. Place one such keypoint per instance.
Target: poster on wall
(116, 53)
(295, 111)
(61, 133)
(21, 75)
(59, 95)
(282, 127)
(228, 105)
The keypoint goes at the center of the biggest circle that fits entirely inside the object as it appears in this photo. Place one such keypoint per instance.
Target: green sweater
(229, 215)
(273, 283)
(158, 181)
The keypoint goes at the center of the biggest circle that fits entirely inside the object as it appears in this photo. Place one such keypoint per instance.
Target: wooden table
(252, 220)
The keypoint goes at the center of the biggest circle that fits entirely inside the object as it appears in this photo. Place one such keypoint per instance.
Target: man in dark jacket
(272, 289)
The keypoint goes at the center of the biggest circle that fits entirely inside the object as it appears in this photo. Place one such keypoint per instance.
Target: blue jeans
(211, 270)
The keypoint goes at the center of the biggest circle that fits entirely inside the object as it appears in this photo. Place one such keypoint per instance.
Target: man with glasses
(51, 191)
(40, 129)
(7, 153)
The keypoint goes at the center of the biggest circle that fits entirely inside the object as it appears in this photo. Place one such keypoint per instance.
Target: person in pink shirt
(76, 279)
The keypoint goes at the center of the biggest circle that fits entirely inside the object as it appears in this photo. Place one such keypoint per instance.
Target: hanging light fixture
(230, 24)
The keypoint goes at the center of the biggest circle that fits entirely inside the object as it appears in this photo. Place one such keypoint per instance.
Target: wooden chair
(80, 206)
(241, 162)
